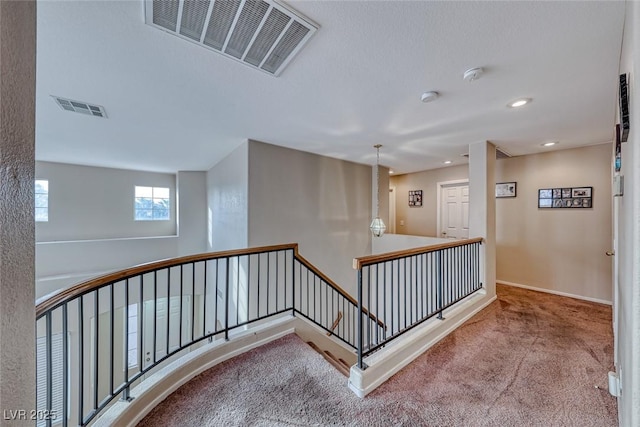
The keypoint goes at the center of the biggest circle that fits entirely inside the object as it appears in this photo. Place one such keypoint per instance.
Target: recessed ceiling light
(519, 102)
(549, 144)
(390, 171)
(447, 162)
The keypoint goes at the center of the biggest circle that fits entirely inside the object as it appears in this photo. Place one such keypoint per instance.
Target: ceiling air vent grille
(80, 107)
(262, 34)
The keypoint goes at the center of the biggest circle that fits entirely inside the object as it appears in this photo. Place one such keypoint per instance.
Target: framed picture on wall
(506, 189)
(415, 198)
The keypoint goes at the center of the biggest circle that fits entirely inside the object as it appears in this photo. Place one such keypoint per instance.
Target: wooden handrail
(98, 282)
(360, 262)
(341, 291)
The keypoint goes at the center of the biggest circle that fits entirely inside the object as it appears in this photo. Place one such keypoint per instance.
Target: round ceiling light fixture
(519, 102)
(429, 96)
(447, 162)
(473, 74)
(549, 144)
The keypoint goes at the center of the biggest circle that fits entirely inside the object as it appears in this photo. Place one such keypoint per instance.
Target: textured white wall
(17, 136)
(98, 203)
(227, 200)
(628, 310)
(324, 204)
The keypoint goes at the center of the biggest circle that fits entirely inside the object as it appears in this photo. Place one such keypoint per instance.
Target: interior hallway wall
(324, 204)
(422, 221)
(559, 250)
(91, 228)
(628, 307)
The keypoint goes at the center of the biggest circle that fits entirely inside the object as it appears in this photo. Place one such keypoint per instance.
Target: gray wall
(192, 212)
(17, 136)
(91, 229)
(323, 204)
(628, 288)
(98, 203)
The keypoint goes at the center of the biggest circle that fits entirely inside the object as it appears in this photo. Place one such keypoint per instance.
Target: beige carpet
(529, 359)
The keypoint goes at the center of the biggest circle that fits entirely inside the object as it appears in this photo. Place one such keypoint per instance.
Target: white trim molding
(554, 292)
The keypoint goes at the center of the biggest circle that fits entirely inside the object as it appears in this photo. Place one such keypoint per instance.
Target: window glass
(152, 203)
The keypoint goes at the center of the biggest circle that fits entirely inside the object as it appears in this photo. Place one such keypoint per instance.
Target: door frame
(439, 186)
(392, 209)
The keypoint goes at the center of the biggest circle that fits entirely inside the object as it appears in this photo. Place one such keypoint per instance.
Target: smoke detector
(473, 74)
(429, 96)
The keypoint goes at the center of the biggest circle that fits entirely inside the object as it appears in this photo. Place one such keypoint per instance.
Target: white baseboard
(551, 291)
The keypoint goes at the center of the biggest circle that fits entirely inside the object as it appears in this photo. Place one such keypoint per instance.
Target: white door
(454, 211)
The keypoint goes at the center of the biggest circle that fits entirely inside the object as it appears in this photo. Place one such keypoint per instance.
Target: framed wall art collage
(568, 197)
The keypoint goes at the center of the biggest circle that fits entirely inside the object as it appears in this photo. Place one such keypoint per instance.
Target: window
(42, 200)
(152, 204)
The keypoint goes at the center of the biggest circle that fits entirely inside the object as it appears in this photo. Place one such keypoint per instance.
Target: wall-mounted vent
(262, 34)
(80, 107)
(500, 154)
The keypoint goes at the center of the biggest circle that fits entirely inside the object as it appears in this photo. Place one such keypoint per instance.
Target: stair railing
(98, 339)
(406, 288)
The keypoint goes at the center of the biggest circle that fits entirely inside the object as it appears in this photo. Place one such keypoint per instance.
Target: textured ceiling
(173, 105)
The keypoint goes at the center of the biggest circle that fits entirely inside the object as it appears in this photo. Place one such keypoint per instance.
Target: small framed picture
(506, 189)
(415, 198)
(557, 193)
(566, 193)
(545, 203)
(544, 193)
(581, 192)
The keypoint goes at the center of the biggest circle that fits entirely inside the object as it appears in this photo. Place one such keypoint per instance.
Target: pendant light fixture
(377, 225)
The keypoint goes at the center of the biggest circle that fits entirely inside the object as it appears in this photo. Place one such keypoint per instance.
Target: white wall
(324, 204)
(227, 200)
(628, 309)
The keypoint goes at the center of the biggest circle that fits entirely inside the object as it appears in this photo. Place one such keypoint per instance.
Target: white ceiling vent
(80, 107)
(262, 34)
